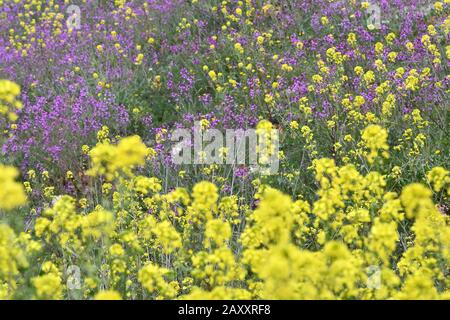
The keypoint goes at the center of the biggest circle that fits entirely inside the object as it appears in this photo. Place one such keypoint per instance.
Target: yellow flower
(8, 103)
(238, 47)
(48, 287)
(351, 39)
(138, 60)
(438, 6)
(108, 295)
(12, 257)
(218, 231)
(205, 195)
(359, 70)
(317, 78)
(412, 83)
(375, 139)
(416, 199)
(152, 278)
(268, 98)
(379, 48)
(392, 56)
(438, 178)
(12, 193)
(69, 175)
(144, 184)
(97, 224)
(359, 101)
(294, 125)
(260, 39)
(410, 46)
(286, 67)
(417, 287)
(107, 159)
(212, 74)
(116, 250)
(266, 8)
(369, 77)
(390, 37)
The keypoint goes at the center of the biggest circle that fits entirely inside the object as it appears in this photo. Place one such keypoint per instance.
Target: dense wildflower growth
(94, 204)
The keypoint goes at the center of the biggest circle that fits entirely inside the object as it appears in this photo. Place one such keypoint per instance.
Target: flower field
(95, 205)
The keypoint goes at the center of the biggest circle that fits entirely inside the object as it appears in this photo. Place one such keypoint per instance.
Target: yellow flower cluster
(152, 278)
(48, 286)
(8, 99)
(12, 193)
(12, 257)
(375, 139)
(107, 159)
(14, 250)
(439, 179)
(62, 224)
